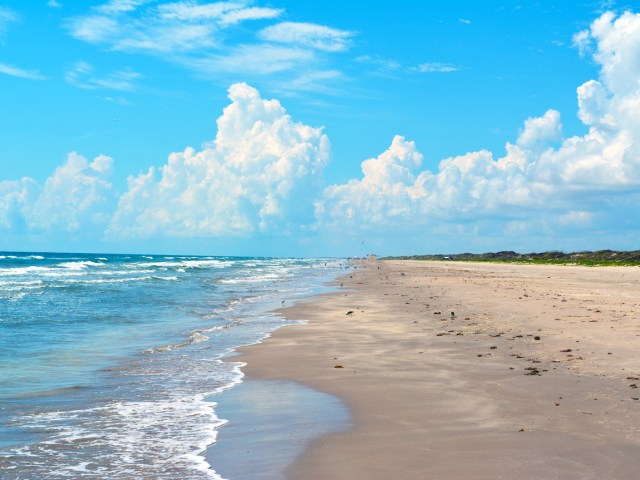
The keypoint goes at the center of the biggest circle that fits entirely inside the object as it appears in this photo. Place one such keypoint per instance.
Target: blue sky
(318, 128)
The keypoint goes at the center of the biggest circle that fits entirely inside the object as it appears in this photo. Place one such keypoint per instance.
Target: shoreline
(529, 378)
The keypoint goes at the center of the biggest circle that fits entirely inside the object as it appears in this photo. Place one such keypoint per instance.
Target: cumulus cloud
(77, 196)
(543, 180)
(15, 199)
(252, 178)
(381, 194)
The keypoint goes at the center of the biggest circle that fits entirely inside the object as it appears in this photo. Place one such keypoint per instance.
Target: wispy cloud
(54, 4)
(382, 63)
(7, 16)
(120, 6)
(317, 81)
(118, 100)
(389, 66)
(252, 13)
(436, 68)
(310, 35)
(261, 59)
(82, 75)
(465, 21)
(178, 27)
(94, 28)
(20, 73)
(204, 38)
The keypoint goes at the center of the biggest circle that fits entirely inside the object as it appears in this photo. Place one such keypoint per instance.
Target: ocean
(111, 365)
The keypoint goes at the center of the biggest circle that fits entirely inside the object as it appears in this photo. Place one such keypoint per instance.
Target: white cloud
(262, 59)
(436, 68)
(226, 13)
(386, 66)
(94, 28)
(314, 80)
(582, 42)
(82, 76)
(251, 13)
(204, 38)
(542, 182)
(78, 193)
(120, 6)
(54, 4)
(381, 194)
(7, 16)
(256, 176)
(192, 11)
(19, 72)
(141, 25)
(576, 218)
(308, 35)
(77, 197)
(15, 198)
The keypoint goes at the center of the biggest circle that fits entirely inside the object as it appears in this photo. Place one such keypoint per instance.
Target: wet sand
(469, 371)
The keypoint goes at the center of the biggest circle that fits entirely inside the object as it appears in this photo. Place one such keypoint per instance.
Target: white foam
(194, 338)
(5, 272)
(267, 277)
(155, 438)
(80, 265)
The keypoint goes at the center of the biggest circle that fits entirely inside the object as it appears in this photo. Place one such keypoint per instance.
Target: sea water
(110, 364)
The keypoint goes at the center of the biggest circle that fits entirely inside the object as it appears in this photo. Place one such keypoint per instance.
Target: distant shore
(587, 258)
(458, 370)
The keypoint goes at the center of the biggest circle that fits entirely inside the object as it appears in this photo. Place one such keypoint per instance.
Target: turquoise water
(109, 363)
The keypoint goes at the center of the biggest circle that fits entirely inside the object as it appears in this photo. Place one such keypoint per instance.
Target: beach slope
(458, 370)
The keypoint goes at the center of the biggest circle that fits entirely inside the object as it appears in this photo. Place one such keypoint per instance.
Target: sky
(303, 128)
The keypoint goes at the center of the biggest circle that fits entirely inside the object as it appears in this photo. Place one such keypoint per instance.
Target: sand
(469, 371)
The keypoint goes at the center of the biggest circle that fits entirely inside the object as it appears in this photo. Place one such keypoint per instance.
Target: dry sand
(470, 371)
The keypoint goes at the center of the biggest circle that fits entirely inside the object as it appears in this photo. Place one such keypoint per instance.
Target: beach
(454, 370)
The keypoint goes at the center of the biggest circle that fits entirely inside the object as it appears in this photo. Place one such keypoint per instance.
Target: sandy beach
(469, 371)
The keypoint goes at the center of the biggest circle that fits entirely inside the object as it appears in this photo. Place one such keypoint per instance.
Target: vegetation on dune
(597, 258)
